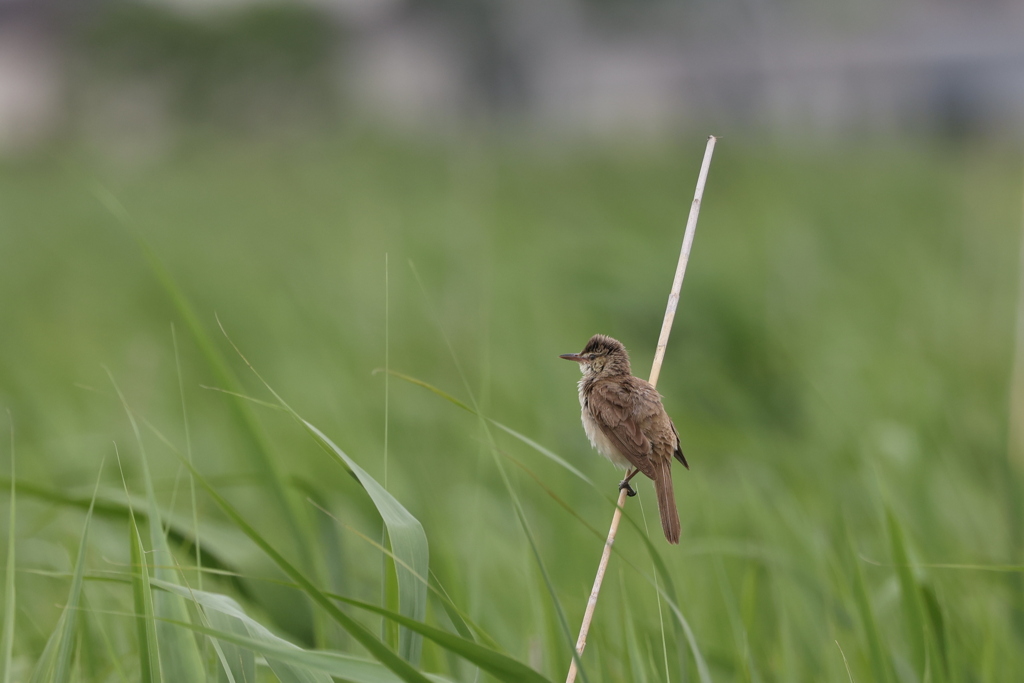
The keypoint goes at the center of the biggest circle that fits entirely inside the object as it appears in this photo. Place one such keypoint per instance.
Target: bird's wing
(679, 448)
(618, 412)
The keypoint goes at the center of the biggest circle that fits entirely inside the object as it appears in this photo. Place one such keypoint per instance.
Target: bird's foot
(624, 484)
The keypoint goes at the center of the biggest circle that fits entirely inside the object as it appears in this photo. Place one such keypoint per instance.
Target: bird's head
(602, 356)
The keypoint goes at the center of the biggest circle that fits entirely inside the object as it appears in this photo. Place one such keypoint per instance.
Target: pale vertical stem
(602, 567)
(684, 258)
(659, 357)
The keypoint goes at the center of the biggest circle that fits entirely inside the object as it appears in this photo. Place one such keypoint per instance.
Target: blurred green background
(839, 371)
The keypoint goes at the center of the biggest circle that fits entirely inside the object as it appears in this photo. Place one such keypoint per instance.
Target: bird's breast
(601, 442)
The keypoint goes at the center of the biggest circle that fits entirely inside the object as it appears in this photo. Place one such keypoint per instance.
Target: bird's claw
(629, 489)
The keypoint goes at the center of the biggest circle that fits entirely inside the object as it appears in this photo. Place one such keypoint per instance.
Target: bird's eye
(591, 356)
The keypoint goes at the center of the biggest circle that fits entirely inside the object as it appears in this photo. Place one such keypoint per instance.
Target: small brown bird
(627, 424)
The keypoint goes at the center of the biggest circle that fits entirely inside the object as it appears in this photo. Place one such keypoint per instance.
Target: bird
(626, 422)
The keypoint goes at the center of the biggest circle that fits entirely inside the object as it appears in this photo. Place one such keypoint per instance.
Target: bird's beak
(572, 356)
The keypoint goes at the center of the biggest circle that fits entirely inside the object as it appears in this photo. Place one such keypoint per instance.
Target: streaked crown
(606, 356)
(602, 344)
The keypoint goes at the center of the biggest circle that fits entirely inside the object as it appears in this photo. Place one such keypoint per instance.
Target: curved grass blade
(548, 453)
(408, 542)
(452, 612)
(341, 666)
(373, 645)
(238, 663)
(405, 532)
(466, 627)
(430, 387)
(500, 666)
(225, 614)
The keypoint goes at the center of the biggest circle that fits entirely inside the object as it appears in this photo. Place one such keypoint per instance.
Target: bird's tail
(667, 502)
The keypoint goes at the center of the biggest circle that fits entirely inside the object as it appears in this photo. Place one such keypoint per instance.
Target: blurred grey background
(129, 77)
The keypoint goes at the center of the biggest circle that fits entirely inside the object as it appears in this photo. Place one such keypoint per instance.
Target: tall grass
(838, 373)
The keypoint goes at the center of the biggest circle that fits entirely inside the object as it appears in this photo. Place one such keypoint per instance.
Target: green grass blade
(460, 624)
(177, 529)
(430, 387)
(517, 505)
(45, 665)
(268, 466)
(142, 596)
(880, 666)
(188, 453)
(408, 542)
(62, 663)
(913, 605)
(7, 641)
(341, 666)
(226, 615)
(390, 632)
(703, 672)
(546, 452)
(938, 640)
(638, 673)
(555, 602)
(145, 614)
(373, 645)
(500, 666)
(180, 659)
(465, 626)
(55, 663)
(238, 663)
(742, 656)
